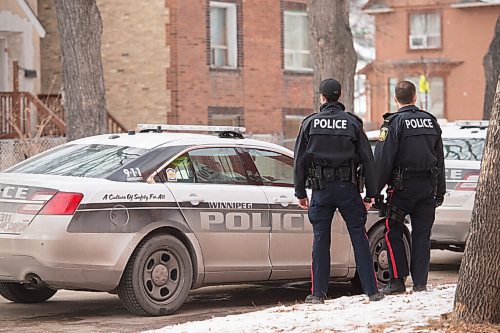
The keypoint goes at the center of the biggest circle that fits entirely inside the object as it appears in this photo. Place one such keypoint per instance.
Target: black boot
(395, 286)
(376, 297)
(418, 288)
(312, 299)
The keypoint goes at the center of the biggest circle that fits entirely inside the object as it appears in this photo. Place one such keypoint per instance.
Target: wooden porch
(25, 115)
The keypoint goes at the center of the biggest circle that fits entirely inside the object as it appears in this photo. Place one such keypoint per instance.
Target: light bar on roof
(194, 128)
(472, 123)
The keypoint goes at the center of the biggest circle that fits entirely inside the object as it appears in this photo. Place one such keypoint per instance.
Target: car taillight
(63, 203)
(471, 184)
(33, 208)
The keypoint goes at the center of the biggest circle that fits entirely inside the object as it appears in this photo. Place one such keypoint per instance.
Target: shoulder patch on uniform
(383, 134)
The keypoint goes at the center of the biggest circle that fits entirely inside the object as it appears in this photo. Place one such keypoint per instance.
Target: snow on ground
(402, 313)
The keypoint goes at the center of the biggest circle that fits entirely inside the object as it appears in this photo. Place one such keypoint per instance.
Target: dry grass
(445, 324)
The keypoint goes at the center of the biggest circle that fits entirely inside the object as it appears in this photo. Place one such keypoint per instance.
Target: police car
(463, 144)
(154, 214)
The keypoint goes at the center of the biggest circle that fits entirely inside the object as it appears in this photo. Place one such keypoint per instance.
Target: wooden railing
(114, 126)
(53, 101)
(22, 113)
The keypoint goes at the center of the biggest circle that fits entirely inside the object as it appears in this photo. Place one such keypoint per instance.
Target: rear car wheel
(157, 278)
(18, 293)
(380, 255)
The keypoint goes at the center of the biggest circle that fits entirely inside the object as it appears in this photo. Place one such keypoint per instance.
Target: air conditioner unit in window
(418, 42)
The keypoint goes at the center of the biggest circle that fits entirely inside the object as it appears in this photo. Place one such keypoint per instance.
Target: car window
(470, 149)
(180, 170)
(93, 161)
(275, 169)
(217, 166)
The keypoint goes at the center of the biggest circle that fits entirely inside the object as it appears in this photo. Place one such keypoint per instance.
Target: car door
(291, 232)
(227, 214)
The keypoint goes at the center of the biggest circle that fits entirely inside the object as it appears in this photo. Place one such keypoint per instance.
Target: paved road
(71, 311)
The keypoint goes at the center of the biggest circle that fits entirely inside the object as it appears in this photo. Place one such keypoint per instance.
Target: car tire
(157, 278)
(17, 293)
(379, 252)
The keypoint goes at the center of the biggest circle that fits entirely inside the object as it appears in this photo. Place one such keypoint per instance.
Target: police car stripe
(97, 206)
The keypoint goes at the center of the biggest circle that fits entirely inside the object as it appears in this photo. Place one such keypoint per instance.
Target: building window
(432, 102)
(223, 41)
(425, 31)
(393, 107)
(296, 41)
(292, 119)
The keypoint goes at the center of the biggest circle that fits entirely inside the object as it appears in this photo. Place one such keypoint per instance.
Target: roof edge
(461, 5)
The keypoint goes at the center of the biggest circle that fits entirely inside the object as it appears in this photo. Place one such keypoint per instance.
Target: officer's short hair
(405, 92)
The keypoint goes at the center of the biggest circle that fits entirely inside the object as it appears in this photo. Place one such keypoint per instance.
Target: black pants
(416, 200)
(345, 197)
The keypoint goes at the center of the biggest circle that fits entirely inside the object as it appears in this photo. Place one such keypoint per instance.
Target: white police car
(463, 144)
(152, 215)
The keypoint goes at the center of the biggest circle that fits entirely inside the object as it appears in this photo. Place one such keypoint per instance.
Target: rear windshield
(470, 149)
(93, 161)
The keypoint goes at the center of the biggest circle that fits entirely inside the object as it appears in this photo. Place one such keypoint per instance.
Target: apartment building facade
(436, 44)
(226, 62)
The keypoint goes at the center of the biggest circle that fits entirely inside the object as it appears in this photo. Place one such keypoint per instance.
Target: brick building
(226, 62)
(240, 63)
(443, 40)
(134, 53)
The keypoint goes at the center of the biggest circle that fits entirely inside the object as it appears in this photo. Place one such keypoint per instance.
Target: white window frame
(231, 33)
(424, 39)
(294, 52)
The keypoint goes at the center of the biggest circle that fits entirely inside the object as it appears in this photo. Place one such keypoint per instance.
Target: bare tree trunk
(477, 299)
(80, 29)
(332, 47)
(491, 65)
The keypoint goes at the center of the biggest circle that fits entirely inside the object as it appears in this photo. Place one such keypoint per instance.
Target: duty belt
(342, 173)
(405, 173)
(401, 174)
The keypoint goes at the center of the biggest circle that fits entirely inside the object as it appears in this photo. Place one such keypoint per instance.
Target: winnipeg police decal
(171, 175)
(383, 134)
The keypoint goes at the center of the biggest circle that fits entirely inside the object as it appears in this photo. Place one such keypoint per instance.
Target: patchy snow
(398, 313)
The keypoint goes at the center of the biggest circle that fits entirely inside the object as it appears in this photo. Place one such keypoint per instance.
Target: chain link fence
(14, 151)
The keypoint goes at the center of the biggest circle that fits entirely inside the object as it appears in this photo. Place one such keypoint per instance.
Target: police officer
(409, 158)
(330, 146)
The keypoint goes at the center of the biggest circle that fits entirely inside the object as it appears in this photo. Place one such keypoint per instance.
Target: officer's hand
(304, 203)
(369, 204)
(439, 200)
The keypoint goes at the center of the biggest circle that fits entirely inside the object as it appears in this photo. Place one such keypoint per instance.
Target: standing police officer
(330, 146)
(409, 158)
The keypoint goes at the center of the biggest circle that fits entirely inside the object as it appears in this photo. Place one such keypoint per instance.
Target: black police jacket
(332, 138)
(409, 139)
